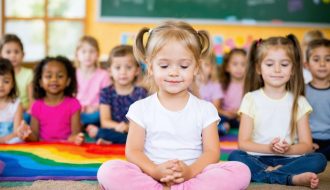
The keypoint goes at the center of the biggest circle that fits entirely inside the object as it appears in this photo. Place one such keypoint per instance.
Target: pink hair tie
(259, 42)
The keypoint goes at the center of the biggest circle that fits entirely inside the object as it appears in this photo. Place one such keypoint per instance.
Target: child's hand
(23, 130)
(122, 127)
(181, 173)
(315, 146)
(79, 139)
(163, 170)
(91, 109)
(185, 172)
(279, 146)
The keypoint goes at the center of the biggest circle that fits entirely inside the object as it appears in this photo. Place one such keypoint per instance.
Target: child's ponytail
(139, 48)
(206, 46)
(296, 85)
(253, 80)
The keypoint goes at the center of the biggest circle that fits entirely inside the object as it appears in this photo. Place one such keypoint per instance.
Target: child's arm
(305, 144)
(30, 96)
(106, 120)
(244, 137)
(134, 152)
(76, 136)
(210, 155)
(229, 114)
(34, 135)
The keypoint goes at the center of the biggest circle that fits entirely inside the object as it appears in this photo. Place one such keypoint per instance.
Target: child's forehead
(53, 64)
(6, 75)
(128, 58)
(320, 49)
(12, 44)
(86, 45)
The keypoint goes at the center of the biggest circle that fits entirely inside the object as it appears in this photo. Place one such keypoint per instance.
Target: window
(46, 27)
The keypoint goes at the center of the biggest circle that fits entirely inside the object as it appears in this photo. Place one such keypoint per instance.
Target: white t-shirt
(173, 135)
(7, 116)
(271, 117)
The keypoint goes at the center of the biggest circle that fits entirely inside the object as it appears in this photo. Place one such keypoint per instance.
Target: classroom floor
(93, 185)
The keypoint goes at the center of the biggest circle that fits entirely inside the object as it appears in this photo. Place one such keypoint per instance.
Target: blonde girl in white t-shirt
(172, 141)
(274, 135)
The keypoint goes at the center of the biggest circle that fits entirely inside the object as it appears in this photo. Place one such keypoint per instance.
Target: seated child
(55, 112)
(91, 79)
(318, 94)
(232, 74)
(11, 110)
(10, 45)
(116, 98)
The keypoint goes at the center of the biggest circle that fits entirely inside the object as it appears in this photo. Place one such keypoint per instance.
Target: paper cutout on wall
(222, 46)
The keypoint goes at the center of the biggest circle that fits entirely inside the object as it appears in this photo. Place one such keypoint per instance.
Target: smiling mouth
(174, 82)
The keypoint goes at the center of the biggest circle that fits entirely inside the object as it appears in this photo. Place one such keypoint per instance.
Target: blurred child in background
(318, 94)
(55, 112)
(232, 74)
(11, 47)
(11, 111)
(207, 84)
(308, 37)
(117, 98)
(91, 79)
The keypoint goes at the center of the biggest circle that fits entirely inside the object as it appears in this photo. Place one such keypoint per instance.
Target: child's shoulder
(200, 103)
(146, 102)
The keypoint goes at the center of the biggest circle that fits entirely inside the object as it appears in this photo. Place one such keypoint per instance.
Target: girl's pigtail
(206, 46)
(252, 79)
(296, 84)
(139, 48)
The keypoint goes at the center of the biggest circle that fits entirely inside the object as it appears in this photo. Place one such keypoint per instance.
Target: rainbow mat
(64, 161)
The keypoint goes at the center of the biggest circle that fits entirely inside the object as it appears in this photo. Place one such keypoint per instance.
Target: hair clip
(150, 30)
(259, 42)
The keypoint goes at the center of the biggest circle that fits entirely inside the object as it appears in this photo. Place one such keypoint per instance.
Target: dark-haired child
(10, 106)
(318, 94)
(11, 48)
(55, 113)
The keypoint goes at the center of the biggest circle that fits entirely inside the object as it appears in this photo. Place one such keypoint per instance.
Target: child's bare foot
(271, 168)
(308, 179)
(101, 141)
(92, 130)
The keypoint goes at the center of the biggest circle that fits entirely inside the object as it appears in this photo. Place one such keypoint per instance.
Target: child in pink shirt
(232, 74)
(91, 80)
(55, 113)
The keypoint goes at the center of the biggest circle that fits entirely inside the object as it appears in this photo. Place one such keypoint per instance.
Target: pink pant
(122, 175)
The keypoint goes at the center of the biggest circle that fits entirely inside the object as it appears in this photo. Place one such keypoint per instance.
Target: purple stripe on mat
(75, 178)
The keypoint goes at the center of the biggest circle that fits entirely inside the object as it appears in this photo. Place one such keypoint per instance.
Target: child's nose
(174, 71)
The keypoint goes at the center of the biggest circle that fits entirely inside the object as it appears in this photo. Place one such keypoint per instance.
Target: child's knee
(236, 155)
(110, 170)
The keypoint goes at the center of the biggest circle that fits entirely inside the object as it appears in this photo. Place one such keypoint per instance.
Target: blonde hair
(214, 72)
(295, 85)
(198, 42)
(91, 41)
